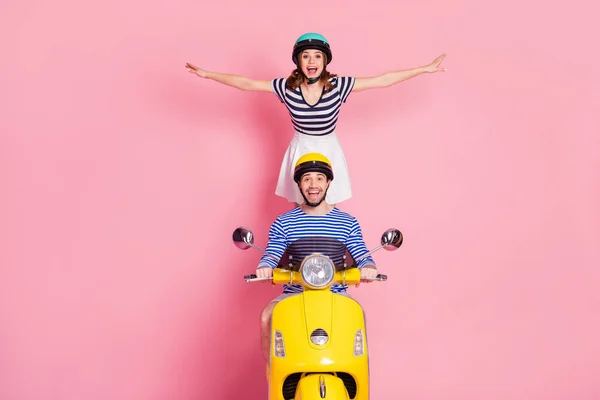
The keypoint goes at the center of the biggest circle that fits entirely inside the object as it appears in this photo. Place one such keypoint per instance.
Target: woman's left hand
(435, 65)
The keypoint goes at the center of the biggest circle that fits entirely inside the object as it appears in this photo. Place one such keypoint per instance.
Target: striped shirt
(296, 224)
(318, 119)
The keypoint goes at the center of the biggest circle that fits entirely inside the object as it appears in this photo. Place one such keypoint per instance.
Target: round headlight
(317, 271)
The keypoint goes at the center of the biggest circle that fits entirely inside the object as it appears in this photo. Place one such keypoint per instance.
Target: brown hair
(296, 78)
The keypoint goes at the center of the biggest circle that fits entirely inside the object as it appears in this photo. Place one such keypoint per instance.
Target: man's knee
(265, 315)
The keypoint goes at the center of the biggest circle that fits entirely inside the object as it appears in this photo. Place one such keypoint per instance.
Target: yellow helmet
(313, 162)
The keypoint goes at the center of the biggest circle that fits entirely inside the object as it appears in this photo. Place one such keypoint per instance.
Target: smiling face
(311, 62)
(313, 186)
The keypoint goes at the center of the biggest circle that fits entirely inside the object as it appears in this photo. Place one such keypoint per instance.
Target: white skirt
(329, 146)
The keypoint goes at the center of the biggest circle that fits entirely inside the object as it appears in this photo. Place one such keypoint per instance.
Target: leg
(265, 324)
(265, 329)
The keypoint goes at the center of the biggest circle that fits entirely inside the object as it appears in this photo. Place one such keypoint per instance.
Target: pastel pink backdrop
(123, 177)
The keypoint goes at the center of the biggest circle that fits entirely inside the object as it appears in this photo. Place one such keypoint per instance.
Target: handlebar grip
(382, 277)
(251, 276)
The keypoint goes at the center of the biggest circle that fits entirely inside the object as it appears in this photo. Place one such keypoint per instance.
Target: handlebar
(380, 277)
(254, 278)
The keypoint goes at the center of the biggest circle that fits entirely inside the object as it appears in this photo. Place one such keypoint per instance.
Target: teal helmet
(311, 41)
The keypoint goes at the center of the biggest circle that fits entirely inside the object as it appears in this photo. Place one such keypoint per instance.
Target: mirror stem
(369, 253)
(262, 251)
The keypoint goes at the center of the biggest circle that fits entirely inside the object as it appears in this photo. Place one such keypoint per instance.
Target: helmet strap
(310, 81)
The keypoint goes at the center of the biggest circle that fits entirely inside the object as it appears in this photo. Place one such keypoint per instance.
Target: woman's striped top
(318, 119)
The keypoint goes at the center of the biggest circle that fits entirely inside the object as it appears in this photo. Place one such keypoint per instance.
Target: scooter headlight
(317, 271)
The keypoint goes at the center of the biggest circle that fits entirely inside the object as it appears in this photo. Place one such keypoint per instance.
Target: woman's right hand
(195, 70)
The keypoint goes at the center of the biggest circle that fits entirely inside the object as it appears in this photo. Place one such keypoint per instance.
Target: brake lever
(379, 278)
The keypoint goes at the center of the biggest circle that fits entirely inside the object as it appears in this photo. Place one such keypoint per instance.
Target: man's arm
(275, 247)
(357, 247)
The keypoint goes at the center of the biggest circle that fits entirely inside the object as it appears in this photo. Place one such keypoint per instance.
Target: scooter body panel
(321, 386)
(299, 316)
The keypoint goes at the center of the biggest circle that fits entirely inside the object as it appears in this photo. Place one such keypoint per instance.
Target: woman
(313, 97)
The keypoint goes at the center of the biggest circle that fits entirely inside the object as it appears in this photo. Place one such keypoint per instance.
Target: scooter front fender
(321, 386)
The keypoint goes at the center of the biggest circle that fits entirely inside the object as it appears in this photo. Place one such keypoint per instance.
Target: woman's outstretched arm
(236, 81)
(391, 78)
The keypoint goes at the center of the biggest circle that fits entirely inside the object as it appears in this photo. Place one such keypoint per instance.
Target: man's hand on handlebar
(367, 273)
(264, 272)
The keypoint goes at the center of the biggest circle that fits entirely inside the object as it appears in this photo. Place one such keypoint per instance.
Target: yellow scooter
(318, 338)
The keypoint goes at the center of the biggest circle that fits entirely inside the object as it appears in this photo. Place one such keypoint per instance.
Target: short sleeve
(345, 86)
(278, 87)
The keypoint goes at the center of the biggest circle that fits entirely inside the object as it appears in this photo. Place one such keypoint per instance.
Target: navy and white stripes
(296, 224)
(318, 119)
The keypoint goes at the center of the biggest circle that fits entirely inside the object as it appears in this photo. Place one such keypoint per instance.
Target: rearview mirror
(391, 239)
(243, 238)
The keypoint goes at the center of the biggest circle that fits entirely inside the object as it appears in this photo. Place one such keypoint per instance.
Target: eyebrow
(319, 174)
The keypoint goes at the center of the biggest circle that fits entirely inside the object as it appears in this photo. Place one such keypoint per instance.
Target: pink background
(122, 177)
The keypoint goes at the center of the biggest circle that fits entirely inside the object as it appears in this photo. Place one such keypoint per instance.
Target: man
(314, 217)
